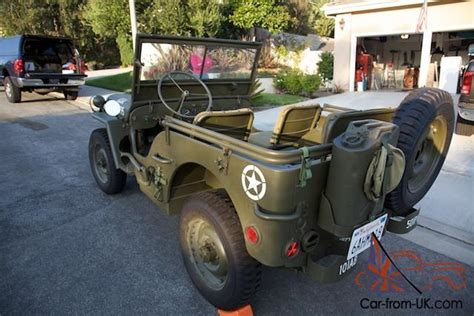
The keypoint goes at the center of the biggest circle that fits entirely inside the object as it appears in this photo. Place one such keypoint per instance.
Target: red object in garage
(364, 62)
(359, 75)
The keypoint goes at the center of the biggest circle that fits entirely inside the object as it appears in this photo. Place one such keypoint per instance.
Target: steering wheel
(184, 93)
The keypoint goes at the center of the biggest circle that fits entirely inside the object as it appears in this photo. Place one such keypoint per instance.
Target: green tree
(227, 28)
(323, 25)
(300, 12)
(204, 17)
(57, 18)
(110, 18)
(30, 16)
(167, 17)
(184, 17)
(269, 14)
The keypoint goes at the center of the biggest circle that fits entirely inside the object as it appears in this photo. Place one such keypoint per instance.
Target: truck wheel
(214, 252)
(426, 121)
(464, 127)
(12, 92)
(70, 95)
(109, 179)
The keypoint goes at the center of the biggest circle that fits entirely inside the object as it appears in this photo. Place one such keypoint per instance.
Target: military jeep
(309, 194)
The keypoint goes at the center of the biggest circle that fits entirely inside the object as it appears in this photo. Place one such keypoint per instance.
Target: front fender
(116, 132)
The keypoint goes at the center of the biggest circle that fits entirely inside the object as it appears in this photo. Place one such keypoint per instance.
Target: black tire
(12, 92)
(464, 127)
(70, 95)
(242, 273)
(426, 121)
(109, 179)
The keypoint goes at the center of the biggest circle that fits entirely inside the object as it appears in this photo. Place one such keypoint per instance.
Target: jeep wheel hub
(207, 253)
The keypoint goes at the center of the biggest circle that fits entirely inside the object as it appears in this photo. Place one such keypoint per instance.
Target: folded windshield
(203, 61)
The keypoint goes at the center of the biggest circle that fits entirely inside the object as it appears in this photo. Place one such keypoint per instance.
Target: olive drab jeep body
(306, 195)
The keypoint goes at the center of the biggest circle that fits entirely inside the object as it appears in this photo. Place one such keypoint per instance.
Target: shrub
(295, 82)
(326, 65)
(255, 90)
(94, 65)
(267, 59)
(126, 49)
(310, 84)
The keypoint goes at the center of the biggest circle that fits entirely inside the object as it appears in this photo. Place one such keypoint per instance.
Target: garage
(400, 45)
(392, 62)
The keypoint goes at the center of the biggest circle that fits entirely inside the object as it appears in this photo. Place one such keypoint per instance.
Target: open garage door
(393, 62)
(388, 62)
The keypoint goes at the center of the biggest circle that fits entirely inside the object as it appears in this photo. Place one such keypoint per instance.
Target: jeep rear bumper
(53, 81)
(334, 265)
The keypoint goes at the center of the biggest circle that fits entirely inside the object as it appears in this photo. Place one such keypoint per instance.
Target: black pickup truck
(41, 64)
(466, 99)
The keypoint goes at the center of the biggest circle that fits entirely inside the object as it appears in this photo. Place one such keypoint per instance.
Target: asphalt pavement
(67, 248)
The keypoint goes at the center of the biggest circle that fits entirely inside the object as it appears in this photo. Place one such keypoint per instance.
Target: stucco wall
(441, 17)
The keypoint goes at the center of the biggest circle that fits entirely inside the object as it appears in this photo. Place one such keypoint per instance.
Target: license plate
(53, 81)
(362, 236)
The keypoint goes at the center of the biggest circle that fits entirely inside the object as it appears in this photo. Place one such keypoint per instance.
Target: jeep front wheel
(12, 92)
(214, 253)
(426, 121)
(109, 179)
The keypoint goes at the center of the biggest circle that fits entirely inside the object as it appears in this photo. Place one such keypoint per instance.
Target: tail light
(83, 67)
(467, 82)
(251, 234)
(292, 249)
(18, 66)
(72, 66)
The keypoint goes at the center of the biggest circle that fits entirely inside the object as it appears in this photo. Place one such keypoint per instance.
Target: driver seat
(233, 123)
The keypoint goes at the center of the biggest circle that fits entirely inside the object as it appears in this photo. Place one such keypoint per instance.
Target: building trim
(334, 9)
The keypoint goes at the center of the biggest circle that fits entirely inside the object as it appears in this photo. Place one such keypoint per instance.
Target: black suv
(40, 63)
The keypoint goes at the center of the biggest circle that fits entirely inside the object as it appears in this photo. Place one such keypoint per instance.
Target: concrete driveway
(67, 248)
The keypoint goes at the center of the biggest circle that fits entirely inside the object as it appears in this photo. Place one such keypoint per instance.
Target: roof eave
(335, 9)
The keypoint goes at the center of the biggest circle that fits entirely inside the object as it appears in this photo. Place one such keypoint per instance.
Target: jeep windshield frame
(227, 78)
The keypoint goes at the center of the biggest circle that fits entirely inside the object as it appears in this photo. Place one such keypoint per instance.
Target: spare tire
(426, 121)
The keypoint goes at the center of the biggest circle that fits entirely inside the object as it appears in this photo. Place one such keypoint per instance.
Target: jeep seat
(234, 123)
(294, 121)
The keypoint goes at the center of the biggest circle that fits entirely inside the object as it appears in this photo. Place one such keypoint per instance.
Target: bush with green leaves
(295, 82)
(310, 84)
(326, 66)
(125, 46)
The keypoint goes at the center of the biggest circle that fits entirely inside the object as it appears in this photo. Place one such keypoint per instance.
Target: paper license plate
(362, 236)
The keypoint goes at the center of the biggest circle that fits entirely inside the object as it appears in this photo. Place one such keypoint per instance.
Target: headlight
(113, 108)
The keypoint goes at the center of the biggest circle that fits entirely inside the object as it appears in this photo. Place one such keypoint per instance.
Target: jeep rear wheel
(12, 92)
(214, 252)
(109, 179)
(426, 121)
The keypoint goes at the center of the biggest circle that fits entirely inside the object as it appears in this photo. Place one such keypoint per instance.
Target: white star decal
(253, 182)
